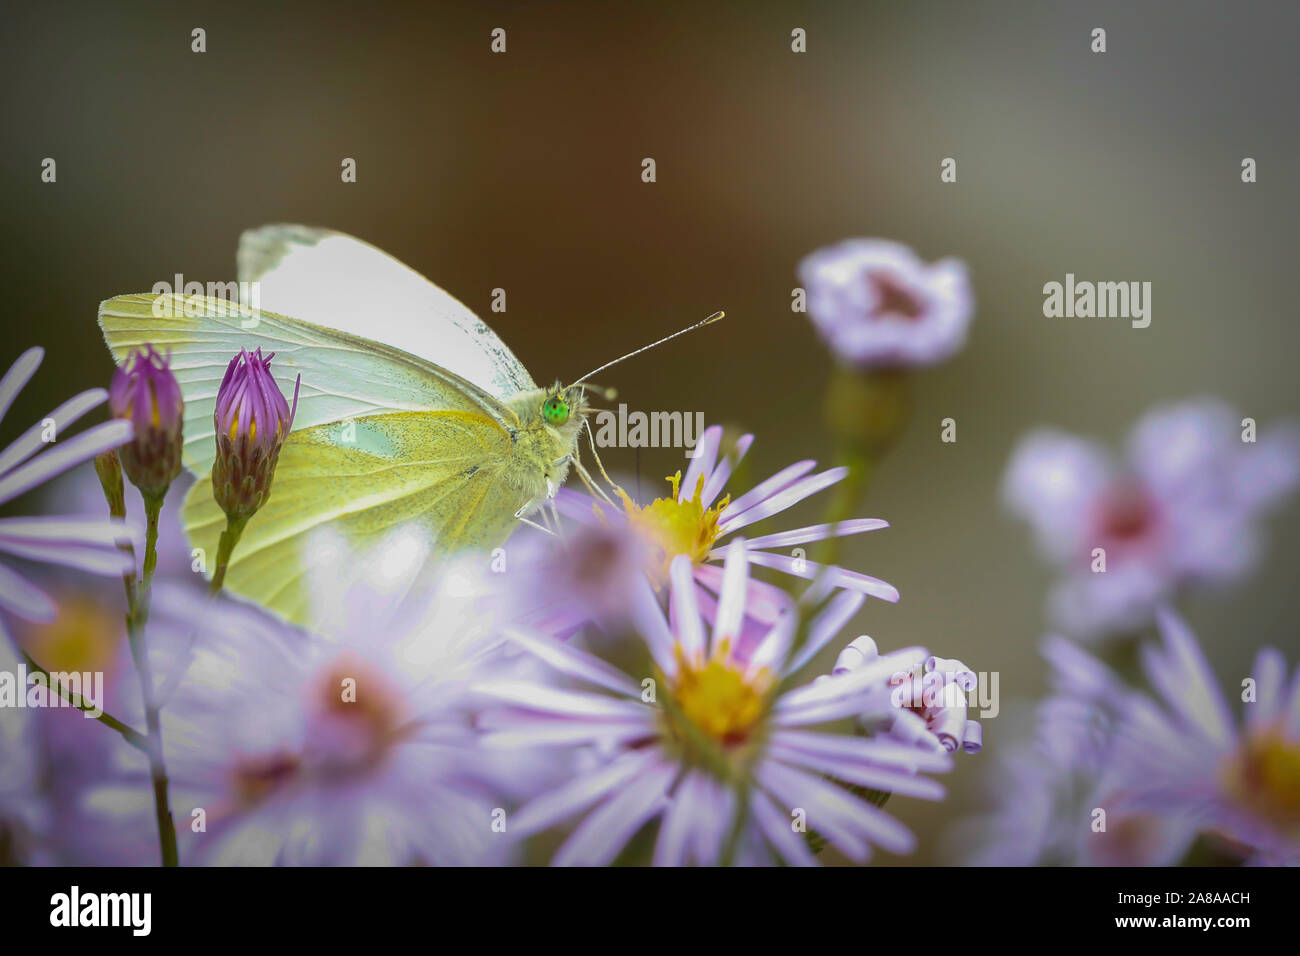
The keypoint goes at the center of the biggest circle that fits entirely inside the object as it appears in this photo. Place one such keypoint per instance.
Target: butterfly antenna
(715, 317)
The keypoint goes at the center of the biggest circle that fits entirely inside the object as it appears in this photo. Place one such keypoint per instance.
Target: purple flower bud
(145, 392)
(252, 420)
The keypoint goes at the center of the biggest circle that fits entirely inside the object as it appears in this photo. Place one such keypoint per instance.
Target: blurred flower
(1182, 511)
(558, 583)
(145, 392)
(711, 746)
(356, 748)
(252, 420)
(88, 544)
(692, 521)
(1182, 755)
(928, 702)
(878, 305)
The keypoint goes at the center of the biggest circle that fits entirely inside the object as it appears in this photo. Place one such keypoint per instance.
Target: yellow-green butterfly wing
(391, 457)
(343, 375)
(378, 496)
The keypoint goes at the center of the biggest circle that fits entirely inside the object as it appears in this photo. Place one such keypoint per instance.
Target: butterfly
(418, 433)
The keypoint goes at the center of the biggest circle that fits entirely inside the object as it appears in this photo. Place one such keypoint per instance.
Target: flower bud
(251, 420)
(109, 470)
(145, 392)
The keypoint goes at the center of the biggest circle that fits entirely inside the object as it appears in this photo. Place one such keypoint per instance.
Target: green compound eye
(555, 410)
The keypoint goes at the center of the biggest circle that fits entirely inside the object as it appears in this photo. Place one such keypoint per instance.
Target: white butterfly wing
(338, 281)
(343, 376)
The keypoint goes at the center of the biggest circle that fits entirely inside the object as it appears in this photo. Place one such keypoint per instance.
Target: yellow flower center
(675, 527)
(82, 637)
(718, 699)
(1265, 776)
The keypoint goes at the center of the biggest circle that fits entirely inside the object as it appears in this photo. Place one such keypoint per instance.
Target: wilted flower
(252, 420)
(712, 746)
(928, 703)
(1180, 512)
(695, 519)
(145, 392)
(878, 305)
(89, 544)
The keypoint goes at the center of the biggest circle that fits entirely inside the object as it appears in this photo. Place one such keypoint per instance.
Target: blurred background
(523, 171)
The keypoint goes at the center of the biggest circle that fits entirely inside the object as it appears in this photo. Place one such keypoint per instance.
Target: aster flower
(1097, 744)
(145, 392)
(39, 454)
(712, 746)
(1183, 756)
(252, 420)
(1180, 511)
(696, 518)
(352, 748)
(878, 305)
(1043, 813)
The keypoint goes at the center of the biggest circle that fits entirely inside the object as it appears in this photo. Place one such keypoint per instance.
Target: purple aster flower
(1184, 757)
(696, 518)
(711, 736)
(145, 392)
(878, 305)
(1180, 511)
(252, 420)
(39, 454)
(353, 748)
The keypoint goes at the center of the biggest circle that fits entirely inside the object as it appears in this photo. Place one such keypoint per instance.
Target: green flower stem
(136, 620)
(152, 509)
(866, 412)
(226, 547)
(129, 734)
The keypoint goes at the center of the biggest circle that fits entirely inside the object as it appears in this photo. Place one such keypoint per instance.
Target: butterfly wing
(378, 496)
(343, 376)
(350, 285)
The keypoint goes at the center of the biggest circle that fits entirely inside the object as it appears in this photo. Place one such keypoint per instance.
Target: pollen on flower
(718, 698)
(1265, 776)
(675, 527)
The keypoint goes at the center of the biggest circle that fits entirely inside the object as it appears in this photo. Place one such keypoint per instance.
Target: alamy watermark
(191, 299)
(21, 688)
(637, 429)
(1102, 300)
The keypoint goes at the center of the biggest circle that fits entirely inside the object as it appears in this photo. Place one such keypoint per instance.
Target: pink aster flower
(878, 305)
(39, 454)
(697, 518)
(712, 745)
(1180, 511)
